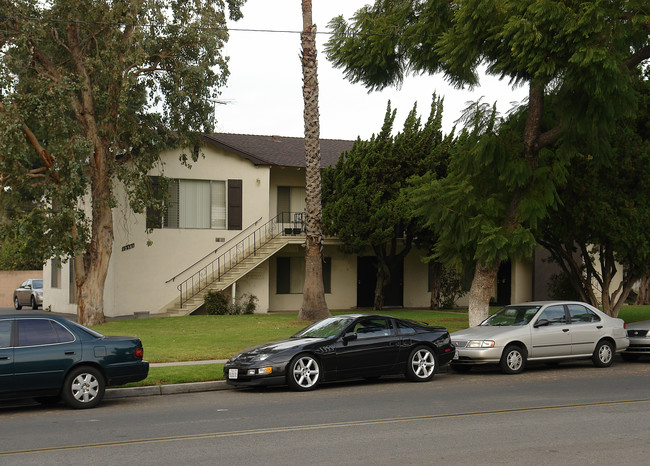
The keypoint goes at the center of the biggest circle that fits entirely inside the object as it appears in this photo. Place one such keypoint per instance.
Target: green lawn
(197, 338)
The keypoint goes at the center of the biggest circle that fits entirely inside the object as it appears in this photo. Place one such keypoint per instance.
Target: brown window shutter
(235, 204)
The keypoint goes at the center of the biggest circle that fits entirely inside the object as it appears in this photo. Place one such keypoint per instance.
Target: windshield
(325, 328)
(37, 284)
(511, 316)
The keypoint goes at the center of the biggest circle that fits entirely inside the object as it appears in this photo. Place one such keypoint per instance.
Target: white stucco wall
(149, 275)
(143, 277)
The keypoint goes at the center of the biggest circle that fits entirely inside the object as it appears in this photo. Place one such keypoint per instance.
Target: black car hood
(274, 347)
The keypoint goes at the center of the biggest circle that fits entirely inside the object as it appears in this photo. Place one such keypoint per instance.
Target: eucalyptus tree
(313, 306)
(90, 93)
(584, 54)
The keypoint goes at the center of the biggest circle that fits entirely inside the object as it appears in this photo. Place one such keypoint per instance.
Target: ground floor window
(72, 291)
(290, 276)
(55, 267)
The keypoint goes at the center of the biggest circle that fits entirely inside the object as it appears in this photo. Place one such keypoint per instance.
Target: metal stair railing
(285, 223)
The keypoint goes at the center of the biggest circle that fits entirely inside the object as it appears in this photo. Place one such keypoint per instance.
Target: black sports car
(345, 346)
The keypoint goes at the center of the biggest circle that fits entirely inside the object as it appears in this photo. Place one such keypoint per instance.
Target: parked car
(49, 358)
(540, 331)
(639, 337)
(29, 293)
(345, 346)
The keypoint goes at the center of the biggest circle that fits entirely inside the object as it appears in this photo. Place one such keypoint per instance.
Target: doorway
(367, 280)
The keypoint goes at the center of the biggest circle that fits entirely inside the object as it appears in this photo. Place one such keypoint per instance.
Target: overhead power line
(145, 25)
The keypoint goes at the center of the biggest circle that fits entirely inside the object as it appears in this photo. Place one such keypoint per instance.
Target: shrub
(219, 303)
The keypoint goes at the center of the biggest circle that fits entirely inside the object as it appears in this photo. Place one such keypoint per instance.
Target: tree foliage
(487, 171)
(602, 224)
(364, 203)
(90, 93)
(578, 60)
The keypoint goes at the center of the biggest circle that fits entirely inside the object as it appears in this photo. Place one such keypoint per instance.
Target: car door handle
(4, 358)
(599, 327)
(69, 352)
(565, 330)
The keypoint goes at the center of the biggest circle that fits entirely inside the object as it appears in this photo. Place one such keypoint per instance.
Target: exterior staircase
(244, 256)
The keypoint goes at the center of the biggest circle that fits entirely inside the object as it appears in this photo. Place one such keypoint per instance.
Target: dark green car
(50, 358)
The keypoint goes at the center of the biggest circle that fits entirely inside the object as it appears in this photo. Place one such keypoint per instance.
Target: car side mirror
(349, 337)
(541, 323)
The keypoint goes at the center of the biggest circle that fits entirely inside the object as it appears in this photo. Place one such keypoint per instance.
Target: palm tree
(314, 306)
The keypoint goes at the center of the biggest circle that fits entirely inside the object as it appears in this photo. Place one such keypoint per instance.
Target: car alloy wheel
(422, 365)
(604, 354)
(84, 388)
(513, 360)
(304, 373)
(17, 305)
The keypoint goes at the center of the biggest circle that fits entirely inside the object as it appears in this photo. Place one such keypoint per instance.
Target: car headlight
(480, 344)
(260, 371)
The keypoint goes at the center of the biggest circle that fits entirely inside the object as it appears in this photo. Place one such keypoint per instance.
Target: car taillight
(139, 352)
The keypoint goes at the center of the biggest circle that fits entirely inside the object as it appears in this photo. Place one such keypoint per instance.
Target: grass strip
(196, 338)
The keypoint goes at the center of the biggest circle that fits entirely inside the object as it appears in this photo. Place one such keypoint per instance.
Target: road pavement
(572, 414)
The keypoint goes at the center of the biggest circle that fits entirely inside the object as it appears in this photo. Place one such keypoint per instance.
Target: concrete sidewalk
(171, 389)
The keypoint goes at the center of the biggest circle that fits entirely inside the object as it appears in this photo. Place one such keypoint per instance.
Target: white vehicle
(639, 335)
(550, 331)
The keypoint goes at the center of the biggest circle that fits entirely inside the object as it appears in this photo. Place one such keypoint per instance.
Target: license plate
(233, 373)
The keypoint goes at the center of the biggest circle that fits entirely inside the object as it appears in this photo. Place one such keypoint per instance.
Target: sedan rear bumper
(127, 373)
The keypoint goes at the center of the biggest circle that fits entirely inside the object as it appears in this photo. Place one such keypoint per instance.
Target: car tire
(421, 365)
(461, 368)
(17, 305)
(630, 357)
(304, 373)
(603, 354)
(34, 304)
(513, 359)
(83, 388)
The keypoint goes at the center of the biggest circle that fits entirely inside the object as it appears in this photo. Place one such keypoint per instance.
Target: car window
(5, 333)
(404, 329)
(580, 313)
(511, 315)
(554, 314)
(86, 330)
(32, 332)
(369, 328)
(62, 332)
(37, 284)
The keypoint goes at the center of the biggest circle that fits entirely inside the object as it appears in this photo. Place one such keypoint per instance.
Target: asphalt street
(570, 414)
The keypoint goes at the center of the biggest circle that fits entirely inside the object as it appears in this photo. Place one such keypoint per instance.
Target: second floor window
(193, 204)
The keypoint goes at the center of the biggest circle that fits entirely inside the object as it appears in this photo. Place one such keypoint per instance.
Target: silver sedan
(639, 335)
(29, 293)
(550, 331)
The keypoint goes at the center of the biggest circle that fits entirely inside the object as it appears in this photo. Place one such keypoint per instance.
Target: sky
(264, 91)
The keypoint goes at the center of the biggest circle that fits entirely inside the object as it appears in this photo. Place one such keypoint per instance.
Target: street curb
(173, 389)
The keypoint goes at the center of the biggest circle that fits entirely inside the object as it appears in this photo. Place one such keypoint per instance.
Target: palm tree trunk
(314, 306)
